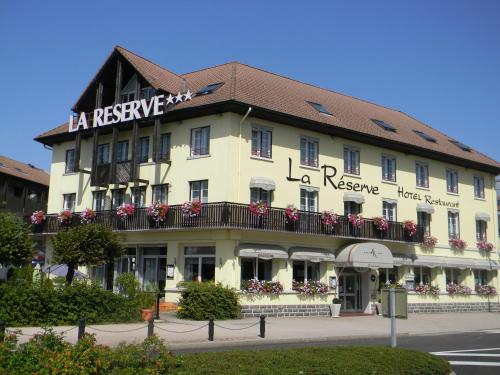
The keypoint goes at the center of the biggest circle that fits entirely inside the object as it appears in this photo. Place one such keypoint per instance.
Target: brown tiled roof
(272, 92)
(24, 171)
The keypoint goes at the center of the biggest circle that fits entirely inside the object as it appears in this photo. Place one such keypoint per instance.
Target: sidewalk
(191, 334)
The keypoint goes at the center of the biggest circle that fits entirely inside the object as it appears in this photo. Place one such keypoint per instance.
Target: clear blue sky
(436, 60)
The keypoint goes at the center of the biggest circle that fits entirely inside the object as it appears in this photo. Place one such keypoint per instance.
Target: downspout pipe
(239, 152)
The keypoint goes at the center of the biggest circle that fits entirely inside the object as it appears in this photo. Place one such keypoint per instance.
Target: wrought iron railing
(226, 215)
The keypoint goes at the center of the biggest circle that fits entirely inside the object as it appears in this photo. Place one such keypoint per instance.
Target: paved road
(474, 353)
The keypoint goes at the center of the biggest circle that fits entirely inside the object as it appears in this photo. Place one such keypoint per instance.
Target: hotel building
(233, 134)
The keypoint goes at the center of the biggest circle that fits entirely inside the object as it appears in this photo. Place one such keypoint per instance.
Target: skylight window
(461, 145)
(319, 107)
(426, 136)
(384, 125)
(210, 88)
(20, 170)
(2, 165)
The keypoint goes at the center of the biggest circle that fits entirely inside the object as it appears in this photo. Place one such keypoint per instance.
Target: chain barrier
(169, 331)
(108, 331)
(236, 329)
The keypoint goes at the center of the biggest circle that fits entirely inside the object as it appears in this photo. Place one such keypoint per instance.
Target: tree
(86, 245)
(15, 244)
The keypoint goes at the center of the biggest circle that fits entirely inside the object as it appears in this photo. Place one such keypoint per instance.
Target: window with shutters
(422, 174)
(351, 160)
(451, 181)
(309, 149)
(262, 139)
(200, 141)
(388, 168)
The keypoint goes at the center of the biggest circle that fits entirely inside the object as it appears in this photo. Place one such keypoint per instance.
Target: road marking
(492, 331)
(466, 350)
(445, 354)
(470, 363)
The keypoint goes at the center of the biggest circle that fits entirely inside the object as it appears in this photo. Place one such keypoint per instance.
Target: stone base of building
(437, 307)
(249, 311)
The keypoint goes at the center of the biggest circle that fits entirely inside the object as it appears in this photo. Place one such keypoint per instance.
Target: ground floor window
(255, 268)
(454, 275)
(128, 262)
(481, 277)
(422, 275)
(304, 271)
(199, 263)
(154, 267)
(387, 276)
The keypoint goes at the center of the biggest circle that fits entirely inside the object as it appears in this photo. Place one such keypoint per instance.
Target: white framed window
(199, 191)
(422, 174)
(160, 193)
(478, 187)
(103, 154)
(117, 198)
(424, 220)
(139, 196)
(255, 268)
(351, 208)
(262, 139)
(200, 141)
(99, 200)
(481, 277)
(454, 275)
(308, 200)
(351, 160)
(128, 262)
(199, 263)
(388, 168)
(481, 230)
(309, 150)
(388, 275)
(422, 275)
(147, 93)
(305, 271)
(154, 266)
(143, 150)
(453, 225)
(122, 151)
(451, 181)
(69, 202)
(258, 194)
(389, 210)
(165, 146)
(70, 161)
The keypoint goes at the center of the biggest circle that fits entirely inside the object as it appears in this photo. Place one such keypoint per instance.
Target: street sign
(401, 297)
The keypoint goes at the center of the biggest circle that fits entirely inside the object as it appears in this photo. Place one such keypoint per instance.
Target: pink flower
(191, 209)
(64, 217)
(158, 212)
(292, 214)
(329, 218)
(259, 208)
(356, 220)
(125, 211)
(381, 223)
(486, 246)
(87, 216)
(457, 243)
(410, 227)
(38, 217)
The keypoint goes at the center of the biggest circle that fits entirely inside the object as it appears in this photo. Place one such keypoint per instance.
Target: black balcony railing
(225, 215)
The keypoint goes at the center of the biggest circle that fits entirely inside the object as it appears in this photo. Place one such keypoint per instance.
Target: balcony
(225, 215)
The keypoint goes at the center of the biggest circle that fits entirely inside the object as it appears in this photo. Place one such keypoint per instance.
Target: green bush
(33, 303)
(201, 301)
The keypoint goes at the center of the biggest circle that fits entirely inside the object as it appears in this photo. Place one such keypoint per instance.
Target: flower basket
(486, 290)
(255, 286)
(427, 289)
(310, 288)
(259, 208)
(329, 221)
(292, 214)
(87, 216)
(457, 244)
(125, 211)
(191, 209)
(38, 217)
(157, 212)
(485, 246)
(64, 217)
(410, 228)
(458, 289)
(429, 242)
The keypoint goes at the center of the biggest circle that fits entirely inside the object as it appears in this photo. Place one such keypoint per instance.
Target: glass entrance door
(350, 291)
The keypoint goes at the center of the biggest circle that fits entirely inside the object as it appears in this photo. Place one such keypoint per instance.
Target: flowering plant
(427, 289)
(125, 210)
(191, 208)
(457, 243)
(410, 227)
(38, 217)
(381, 223)
(64, 217)
(259, 208)
(310, 288)
(329, 218)
(292, 214)
(429, 242)
(356, 220)
(87, 216)
(255, 286)
(486, 290)
(453, 289)
(486, 246)
(389, 284)
(158, 212)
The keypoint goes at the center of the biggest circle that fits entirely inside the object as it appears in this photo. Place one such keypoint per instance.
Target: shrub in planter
(201, 301)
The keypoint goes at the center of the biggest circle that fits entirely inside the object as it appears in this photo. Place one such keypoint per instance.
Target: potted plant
(381, 224)
(87, 216)
(335, 308)
(258, 210)
(410, 229)
(64, 217)
(157, 212)
(329, 220)
(292, 215)
(147, 300)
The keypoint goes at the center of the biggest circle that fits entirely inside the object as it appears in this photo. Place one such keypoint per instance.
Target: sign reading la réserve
(123, 112)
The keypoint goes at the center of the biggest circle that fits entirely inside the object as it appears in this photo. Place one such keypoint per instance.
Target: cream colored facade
(229, 168)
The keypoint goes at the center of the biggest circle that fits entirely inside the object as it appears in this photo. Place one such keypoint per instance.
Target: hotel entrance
(350, 291)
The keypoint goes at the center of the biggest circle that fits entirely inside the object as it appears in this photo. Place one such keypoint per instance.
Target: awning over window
(262, 251)
(453, 210)
(461, 263)
(354, 197)
(429, 261)
(390, 201)
(366, 254)
(485, 264)
(425, 207)
(483, 216)
(263, 183)
(309, 188)
(402, 260)
(311, 254)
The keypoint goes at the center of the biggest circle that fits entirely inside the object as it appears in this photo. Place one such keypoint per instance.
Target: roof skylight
(461, 145)
(426, 136)
(210, 88)
(319, 107)
(384, 125)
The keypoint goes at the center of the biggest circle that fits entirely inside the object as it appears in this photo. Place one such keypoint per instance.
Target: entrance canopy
(262, 251)
(264, 183)
(366, 254)
(311, 254)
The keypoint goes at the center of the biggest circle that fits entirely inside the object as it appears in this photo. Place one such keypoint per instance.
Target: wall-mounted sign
(133, 110)
(426, 197)
(170, 271)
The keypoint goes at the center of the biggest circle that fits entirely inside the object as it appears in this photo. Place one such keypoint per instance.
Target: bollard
(262, 326)
(2, 331)
(151, 327)
(81, 328)
(157, 307)
(211, 329)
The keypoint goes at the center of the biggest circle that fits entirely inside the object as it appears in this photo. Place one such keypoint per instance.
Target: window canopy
(354, 197)
(311, 254)
(425, 207)
(264, 183)
(366, 254)
(482, 216)
(262, 251)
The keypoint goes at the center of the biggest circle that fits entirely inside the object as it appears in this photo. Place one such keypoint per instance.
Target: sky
(438, 61)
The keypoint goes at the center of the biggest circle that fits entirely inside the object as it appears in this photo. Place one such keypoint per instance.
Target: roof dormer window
(384, 125)
(426, 136)
(147, 93)
(127, 94)
(460, 145)
(319, 107)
